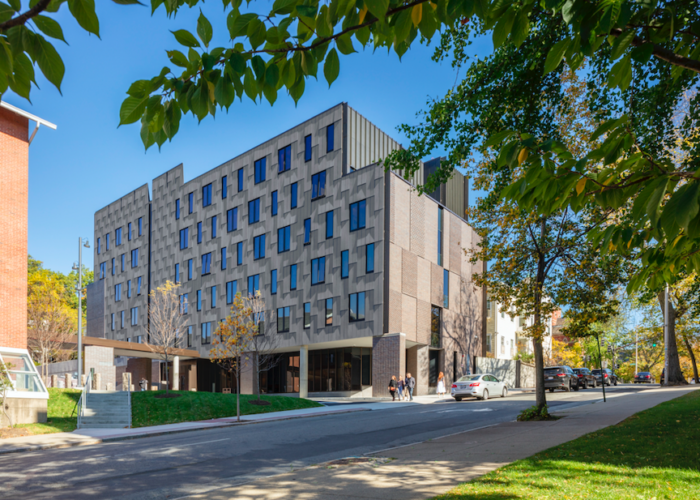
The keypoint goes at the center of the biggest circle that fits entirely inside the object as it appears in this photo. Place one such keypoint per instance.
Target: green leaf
(503, 28)
(237, 23)
(297, 90)
(331, 68)
(682, 207)
(204, 29)
(498, 138)
(283, 6)
(403, 25)
(5, 57)
(324, 29)
(521, 28)
(621, 43)
(344, 44)
(249, 85)
(309, 65)
(555, 55)
(127, 2)
(15, 4)
(306, 10)
(140, 88)
(270, 94)
(200, 100)
(237, 62)
(272, 75)
(224, 92)
(378, 8)
(256, 33)
(258, 65)
(84, 12)
(49, 27)
(643, 53)
(652, 207)
(178, 58)
(50, 63)
(621, 74)
(132, 109)
(185, 38)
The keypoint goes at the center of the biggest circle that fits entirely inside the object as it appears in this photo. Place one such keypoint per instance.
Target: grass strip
(654, 454)
(59, 408)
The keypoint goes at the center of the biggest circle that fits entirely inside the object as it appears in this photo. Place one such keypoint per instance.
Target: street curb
(107, 439)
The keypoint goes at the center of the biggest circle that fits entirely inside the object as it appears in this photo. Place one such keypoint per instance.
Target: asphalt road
(178, 465)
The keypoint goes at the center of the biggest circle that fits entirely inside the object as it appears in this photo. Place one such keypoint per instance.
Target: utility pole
(602, 373)
(79, 269)
(636, 352)
(666, 336)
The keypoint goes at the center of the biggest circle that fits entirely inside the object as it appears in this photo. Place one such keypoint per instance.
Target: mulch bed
(7, 432)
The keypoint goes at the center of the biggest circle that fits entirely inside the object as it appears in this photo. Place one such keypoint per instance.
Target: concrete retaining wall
(516, 374)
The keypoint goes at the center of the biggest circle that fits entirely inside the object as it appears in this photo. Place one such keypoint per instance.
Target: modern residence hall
(363, 277)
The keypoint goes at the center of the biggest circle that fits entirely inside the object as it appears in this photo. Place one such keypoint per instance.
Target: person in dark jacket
(410, 385)
(392, 387)
(400, 386)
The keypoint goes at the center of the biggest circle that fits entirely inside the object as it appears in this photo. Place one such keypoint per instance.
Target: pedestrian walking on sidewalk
(392, 387)
(410, 385)
(400, 386)
(441, 384)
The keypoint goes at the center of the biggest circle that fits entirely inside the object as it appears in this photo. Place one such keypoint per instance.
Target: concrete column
(54, 380)
(83, 380)
(126, 381)
(68, 378)
(98, 381)
(176, 373)
(417, 363)
(304, 371)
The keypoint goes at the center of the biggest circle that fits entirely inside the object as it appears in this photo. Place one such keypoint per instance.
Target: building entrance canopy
(24, 377)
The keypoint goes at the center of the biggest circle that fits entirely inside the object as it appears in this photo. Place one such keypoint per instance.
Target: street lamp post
(80, 305)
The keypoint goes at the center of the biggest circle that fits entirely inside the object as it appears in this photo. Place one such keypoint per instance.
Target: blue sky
(88, 162)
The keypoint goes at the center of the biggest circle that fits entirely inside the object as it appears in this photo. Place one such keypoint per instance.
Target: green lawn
(654, 454)
(147, 410)
(60, 407)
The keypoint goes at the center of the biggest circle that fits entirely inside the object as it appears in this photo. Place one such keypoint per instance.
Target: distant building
(505, 336)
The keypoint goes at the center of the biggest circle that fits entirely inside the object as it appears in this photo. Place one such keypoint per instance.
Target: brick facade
(388, 359)
(14, 184)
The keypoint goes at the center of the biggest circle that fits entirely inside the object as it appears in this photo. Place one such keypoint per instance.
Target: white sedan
(480, 386)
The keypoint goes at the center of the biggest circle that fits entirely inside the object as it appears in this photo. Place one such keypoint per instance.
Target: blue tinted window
(259, 247)
(183, 303)
(446, 288)
(177, 273)
(103, 270)
(232, 219)
(140, 227)
(199, 300)
(118, 236)
(274, 203)
(177, 209)
(293, 277)
(138, 285)
(224, 187)
(370, 258)
(283, 239)
(199, 232)
(121, 257)
(206, 195)
(307, 231)
(206, 263)
(190, 268)
(329, 224)
(253, 284)
(344, 264)
(190, 198)
(184, 238)
(98, 245)
(239, 253)
(282, 319)
(357, 306)
(307, 148)
(318, 185)
(273, 281)
(135, 257)
(294, 190)
(128, 231)
(307, 315)
(254, 211)
(357, 215)
(107, 241)
(118, 292)
(128, 289)
(260, 168)
(439, 248)
(206, 333)
(330, 138)
(329, 311)
(318, 270)
(114, 270)
(284, 157)
(134, 316)
(240, 180)
(223, 258)
(231, 290)
(213, 227)
(213, 297)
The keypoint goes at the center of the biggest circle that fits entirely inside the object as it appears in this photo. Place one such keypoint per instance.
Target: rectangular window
(307, 148)
(239, 253)
(439, 249)
(344, 263)
(282, 319)
(240, 180)
(128, 289)
(446, 288)
(184, 238)
(199, 232)
(329, 224)
(107, 241)
(140, 225)
(435, 326)
(213, 227)
(260, 168)
(98, 246)
(206, 263)
(253, 284)
(177, 273)
(134, 257)
(329, 312)
(134, 316)
(122, 323)
(138, 285)
(232, 219)
(199, 300)
(259, 247)
(118, 236)
(357, 215)
(283, 239)
(254, 211)
(189, 336)
(223, 258)
(113, 267)
(284, 157)
(294, 192)
(206, 195)
(307, 231)
(293, 277)
(177, 209)
(213, 297)
(183, 303)
(128, 231)
(273, 204)
(206, 333)
(318, 270)
(190, 199)
(190, 269)
(231, 290)
(318, 185)
(307, 315)
(330, 138)
(224, 187)
(103, 270)
(112, 322)
(369, 268)
(273, 282)
(118, 292)
(357, 306)
(122, 258)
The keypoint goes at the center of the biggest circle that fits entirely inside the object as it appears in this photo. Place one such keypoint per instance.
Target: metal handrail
(82, 402)
(128, 397)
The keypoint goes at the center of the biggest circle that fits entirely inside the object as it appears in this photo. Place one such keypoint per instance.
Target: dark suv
(608, 375)
(585, 378)
(560, 377)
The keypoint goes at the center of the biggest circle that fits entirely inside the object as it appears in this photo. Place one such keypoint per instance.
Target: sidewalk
(430, 468)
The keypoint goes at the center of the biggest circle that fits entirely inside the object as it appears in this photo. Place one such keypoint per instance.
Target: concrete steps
(105, 410)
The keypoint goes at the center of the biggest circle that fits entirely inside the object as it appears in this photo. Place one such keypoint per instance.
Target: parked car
(585, 378)
(644, 378)
(480, 386)
(560, 377)
(609, 377)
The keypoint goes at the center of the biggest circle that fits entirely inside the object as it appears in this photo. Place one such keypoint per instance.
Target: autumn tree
(232, 342)
(166, 323)
(265, 343)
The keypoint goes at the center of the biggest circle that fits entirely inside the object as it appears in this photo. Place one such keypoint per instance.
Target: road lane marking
(438, 437)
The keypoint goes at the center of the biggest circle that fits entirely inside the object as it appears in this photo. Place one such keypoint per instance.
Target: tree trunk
(692, 358)
(256, 360)
(238, 392)
(674, 375)
(540, 397)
